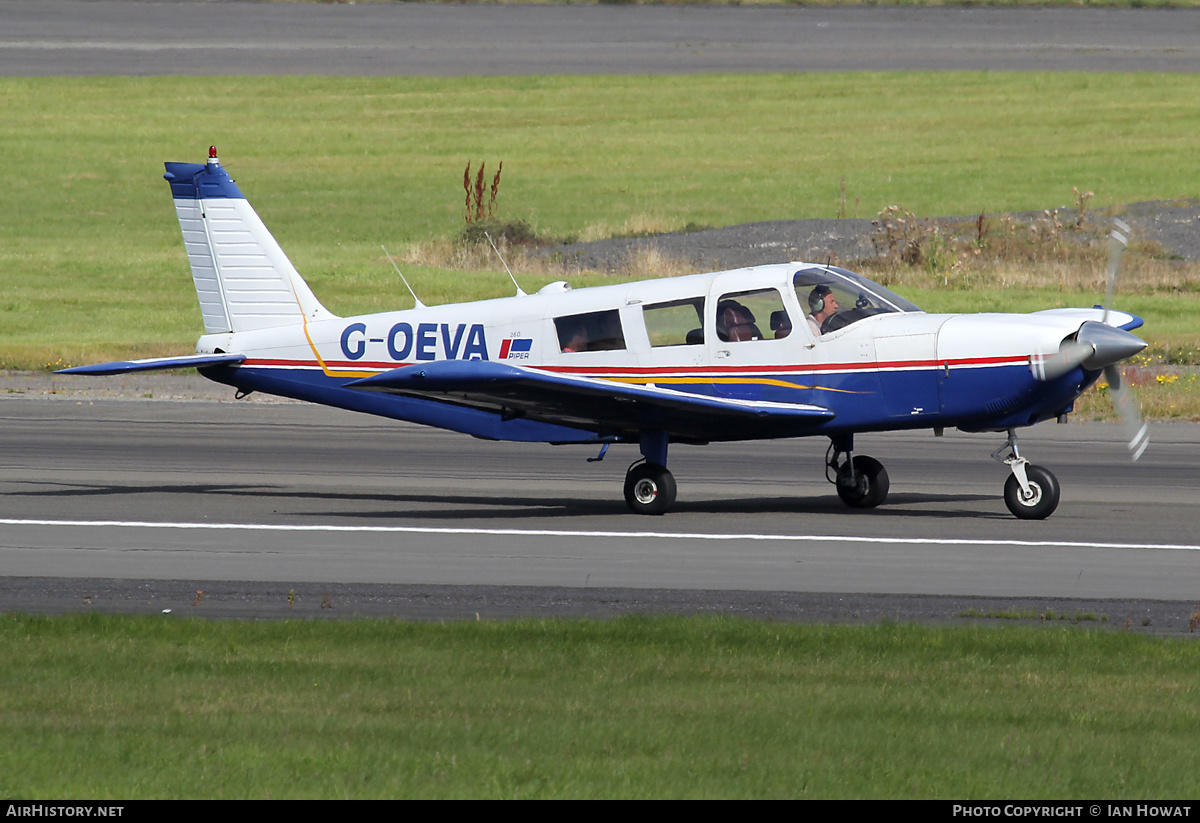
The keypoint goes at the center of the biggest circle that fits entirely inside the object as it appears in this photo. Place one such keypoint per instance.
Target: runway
(292, 494)
(111, 37)
(139, 505)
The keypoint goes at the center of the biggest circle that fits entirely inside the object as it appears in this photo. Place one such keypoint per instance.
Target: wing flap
(602, 406)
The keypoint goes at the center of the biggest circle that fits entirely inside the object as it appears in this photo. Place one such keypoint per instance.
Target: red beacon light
(212, 156)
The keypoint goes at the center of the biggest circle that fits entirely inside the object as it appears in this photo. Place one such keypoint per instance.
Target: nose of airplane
(1109, 345)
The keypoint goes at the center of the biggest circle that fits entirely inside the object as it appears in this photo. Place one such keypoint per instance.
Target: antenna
(520, 291)
(416, 299)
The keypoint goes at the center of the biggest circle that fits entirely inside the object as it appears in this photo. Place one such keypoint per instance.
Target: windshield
(856, 297)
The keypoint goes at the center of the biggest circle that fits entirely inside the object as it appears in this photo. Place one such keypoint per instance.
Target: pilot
(823, 305)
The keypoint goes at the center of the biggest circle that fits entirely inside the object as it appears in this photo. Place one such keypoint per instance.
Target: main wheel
(869, 487)
(649, 488)
(1042, 499)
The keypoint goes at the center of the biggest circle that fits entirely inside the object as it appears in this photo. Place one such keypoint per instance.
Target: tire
(649, 489)
(871, 488)
(1043, 498)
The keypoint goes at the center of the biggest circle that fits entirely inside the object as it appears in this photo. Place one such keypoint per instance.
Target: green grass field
(93, 266)
(95, 707)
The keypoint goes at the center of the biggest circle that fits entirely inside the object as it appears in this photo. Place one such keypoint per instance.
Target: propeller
(1101, 346)
(1136, 431)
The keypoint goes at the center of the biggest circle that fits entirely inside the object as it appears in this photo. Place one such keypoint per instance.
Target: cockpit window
(597, 331)
(855, 298)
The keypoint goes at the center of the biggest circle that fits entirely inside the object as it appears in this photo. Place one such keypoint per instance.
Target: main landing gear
(1031, 492)
(861, 482)
(649, 487)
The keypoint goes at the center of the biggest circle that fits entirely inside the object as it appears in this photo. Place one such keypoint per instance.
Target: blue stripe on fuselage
(978, 399)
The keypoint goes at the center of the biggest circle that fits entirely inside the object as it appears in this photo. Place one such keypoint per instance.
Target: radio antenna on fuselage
(520, 291)
(416, 299)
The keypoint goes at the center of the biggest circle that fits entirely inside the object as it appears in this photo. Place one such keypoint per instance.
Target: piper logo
(516, 349)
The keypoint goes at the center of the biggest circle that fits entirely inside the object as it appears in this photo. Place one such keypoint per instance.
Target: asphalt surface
(111, 37)
(267, 510)
(138, 504)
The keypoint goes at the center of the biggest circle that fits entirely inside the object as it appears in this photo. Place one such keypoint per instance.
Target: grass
(93, 267)
(133, 707)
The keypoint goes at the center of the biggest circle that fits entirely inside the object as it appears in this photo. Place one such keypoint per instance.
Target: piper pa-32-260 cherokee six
(789, 350)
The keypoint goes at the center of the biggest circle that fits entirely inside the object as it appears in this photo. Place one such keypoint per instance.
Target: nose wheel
(1031, 492)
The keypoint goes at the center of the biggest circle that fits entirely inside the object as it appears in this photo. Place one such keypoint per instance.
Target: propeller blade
(1069, 355)
(1118, 240)
(1093, 347)
(1137, 433)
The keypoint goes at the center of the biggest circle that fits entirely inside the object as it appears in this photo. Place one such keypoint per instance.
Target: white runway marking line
(794, 538)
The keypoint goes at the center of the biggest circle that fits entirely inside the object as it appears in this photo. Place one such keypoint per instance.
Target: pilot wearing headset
(822, 305)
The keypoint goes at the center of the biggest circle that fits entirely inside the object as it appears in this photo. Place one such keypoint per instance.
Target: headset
(816, 298)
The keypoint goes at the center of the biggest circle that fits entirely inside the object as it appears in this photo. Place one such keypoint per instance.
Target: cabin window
(678, 323)
(595, 331)
(856, 297)
(752, 315)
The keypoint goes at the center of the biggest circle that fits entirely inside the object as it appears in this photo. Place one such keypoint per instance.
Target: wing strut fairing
(602, 406)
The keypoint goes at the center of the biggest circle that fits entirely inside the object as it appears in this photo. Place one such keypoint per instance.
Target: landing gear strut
(1031, 492)
(862, 482)
(649, 487)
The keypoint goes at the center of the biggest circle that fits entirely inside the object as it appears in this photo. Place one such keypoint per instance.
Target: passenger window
(678, 323)
(597, 331)
(740, 314)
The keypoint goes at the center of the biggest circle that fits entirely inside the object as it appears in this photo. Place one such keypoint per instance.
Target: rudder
(243, 279)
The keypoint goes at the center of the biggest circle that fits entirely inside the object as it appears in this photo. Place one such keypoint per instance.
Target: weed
(1081, 199)
(476, 210)
(512, 232)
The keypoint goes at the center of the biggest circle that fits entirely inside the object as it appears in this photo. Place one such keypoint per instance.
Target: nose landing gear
(1031, 492)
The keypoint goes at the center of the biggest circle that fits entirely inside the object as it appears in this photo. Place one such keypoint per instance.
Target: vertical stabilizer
(243, 279)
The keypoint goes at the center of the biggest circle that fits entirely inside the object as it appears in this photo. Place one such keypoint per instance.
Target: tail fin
(243, 278)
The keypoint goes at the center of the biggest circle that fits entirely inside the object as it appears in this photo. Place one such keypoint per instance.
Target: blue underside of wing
(604, 407)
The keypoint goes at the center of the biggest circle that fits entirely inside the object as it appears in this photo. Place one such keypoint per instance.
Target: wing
(603, 406)
(190, 361)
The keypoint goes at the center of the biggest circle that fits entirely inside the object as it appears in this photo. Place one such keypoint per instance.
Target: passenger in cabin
(823, 306)
(573, 337)
(736, 322)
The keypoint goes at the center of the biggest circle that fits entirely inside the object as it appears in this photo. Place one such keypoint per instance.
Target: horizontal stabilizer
(190, 361)
(602, 406)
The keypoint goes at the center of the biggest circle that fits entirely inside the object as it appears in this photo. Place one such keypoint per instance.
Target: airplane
(771, 351)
